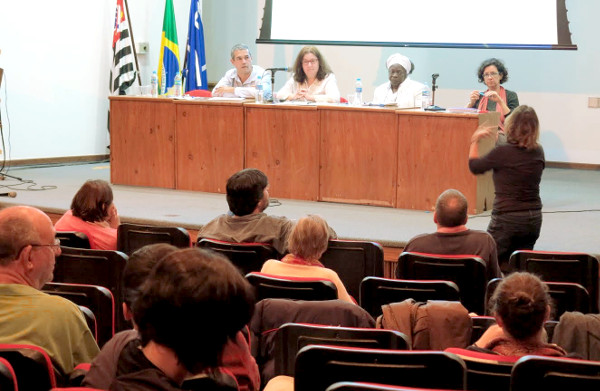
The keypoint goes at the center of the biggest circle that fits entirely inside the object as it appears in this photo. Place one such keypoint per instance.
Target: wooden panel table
(210, 144)
(359, 153)
(433, 151)
(142, 141)
(283, 142)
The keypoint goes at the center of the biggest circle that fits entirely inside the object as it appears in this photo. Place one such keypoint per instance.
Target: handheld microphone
(11, 194)
(284, 69)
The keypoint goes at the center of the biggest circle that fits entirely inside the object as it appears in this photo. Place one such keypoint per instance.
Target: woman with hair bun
(521, 304)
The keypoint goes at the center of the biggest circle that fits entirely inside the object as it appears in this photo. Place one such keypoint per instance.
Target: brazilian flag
(168, 61)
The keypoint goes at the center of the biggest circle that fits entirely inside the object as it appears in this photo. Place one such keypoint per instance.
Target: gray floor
(571, 207)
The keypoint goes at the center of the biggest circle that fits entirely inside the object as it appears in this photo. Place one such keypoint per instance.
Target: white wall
(57, 59)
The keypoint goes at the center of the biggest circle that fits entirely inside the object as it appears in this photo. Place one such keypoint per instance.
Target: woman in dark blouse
(517, 171)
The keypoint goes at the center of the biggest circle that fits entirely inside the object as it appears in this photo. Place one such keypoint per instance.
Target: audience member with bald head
(28, 249)
(453, 237)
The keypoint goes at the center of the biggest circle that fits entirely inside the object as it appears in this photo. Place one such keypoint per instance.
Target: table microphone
(285, 69)
(11, 194)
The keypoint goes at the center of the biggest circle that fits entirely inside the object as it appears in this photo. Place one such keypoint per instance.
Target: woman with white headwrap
(400, 89)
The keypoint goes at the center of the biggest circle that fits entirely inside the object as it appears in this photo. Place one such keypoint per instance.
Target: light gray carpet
(571, 207)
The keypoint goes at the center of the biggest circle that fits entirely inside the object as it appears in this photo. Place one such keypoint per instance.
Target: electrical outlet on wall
(143, 47)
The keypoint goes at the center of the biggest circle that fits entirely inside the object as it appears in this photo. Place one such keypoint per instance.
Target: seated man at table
(241, 81)
(248, 197)
(453, 237)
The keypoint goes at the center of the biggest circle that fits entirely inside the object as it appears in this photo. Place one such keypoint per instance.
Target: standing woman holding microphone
(517, 171)
(493, 74)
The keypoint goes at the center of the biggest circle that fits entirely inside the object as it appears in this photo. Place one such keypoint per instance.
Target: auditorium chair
(94, 267)
(98, 299)
(566, 296)
(73, 239)
(377, 291)
(291, 337)
(553, 373)
(578, 268)
(319, 366)
(353, 261)
(131, 237)
(32, 366)
(468, 272)
(486, 371)
(8, 378)
(247, 257)
(363, 386)
(90, 320)
(296, 288)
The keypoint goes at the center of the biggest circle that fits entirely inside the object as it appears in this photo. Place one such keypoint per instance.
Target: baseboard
(578, 166)
(57, 160)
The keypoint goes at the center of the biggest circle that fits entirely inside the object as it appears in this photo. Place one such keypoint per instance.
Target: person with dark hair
(236, 358)
(521, 304)
(94, 214)
(312, 81)
(517, 171)
(177, 338)
(453, 237)
(307, 243)
(248, 197)
(241, 81)
(493, 74)
(400, 89)
(28, 248)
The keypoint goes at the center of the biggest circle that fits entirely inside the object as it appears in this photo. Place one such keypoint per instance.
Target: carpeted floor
(571, 207)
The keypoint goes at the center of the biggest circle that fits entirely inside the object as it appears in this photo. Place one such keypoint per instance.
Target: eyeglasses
(54, 246)
(492, 74)
(310, 62)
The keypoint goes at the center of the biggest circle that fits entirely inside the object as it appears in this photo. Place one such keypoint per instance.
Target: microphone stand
(433, 87)
(3, 175)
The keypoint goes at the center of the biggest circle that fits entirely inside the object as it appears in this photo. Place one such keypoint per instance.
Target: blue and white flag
(194, 67)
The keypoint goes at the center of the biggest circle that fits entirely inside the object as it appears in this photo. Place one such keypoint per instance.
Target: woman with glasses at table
(94, 214)
(493, 74)
(313, 80)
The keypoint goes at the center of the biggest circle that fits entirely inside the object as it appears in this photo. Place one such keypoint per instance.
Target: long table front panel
(366, 155)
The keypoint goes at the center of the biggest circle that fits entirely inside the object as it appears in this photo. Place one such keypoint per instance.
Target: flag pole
(137, 66)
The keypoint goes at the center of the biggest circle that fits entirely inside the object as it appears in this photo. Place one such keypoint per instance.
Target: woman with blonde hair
(313, 80)
(517, 168)
(307, 243)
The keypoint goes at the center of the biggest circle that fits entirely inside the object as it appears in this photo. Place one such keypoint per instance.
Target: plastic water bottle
(260, 97)
(358, 100)
(163, 82)
(425, 98)
(177, 85)
(154, 84)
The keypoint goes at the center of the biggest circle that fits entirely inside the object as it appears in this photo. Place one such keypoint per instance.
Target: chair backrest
(247, 257)
(8, 378)
(480, 325)
(377, 291)
(98, 299)
(362, 386)
(131, 237)
(199, 93)
(566, 296)
(297, 288)
(468, 272)
(318, 367)
(32, 366)
(73, 239)
(291, 337)
(90, 320)
(579, 268)
(94, 267)
(486, 371)
(353, 261)
(550, 373)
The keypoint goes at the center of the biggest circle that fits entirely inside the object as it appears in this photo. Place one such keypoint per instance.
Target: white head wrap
(398, 58)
